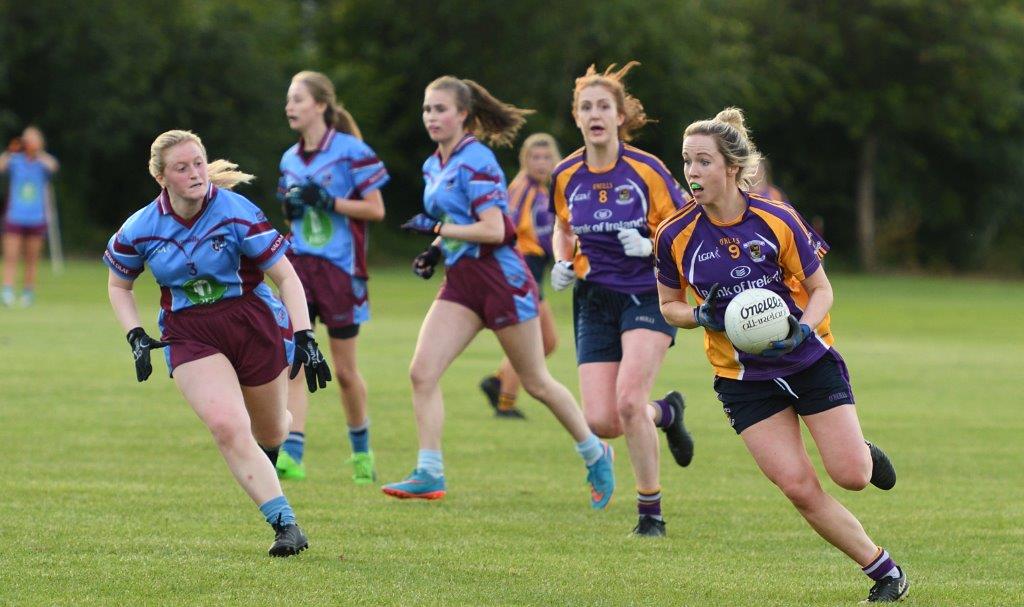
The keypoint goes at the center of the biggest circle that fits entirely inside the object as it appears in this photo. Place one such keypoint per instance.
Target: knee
(803, 490)
(630, 405)
(537, 385)
(550, 343)
(346, 376)
(604, 426)
(422, 376)
(227, 429)
(852, 479)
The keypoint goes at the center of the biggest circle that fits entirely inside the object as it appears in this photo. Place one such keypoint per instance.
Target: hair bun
(733, 116)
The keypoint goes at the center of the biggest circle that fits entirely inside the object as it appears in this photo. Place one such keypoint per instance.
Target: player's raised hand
(421, 223)
(704, 314)
(307, 354)
(797, 334)
(141, 344)
(635, 244)
(424, 263)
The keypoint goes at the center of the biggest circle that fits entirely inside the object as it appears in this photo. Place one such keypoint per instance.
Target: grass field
(114, 493)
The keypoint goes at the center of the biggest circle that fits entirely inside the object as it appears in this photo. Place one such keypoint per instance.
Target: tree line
(899, 122)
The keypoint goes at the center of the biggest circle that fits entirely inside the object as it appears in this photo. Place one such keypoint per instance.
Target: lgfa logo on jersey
(754, 250)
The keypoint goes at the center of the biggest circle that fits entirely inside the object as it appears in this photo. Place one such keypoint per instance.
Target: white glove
(562, 275)
(634, 244)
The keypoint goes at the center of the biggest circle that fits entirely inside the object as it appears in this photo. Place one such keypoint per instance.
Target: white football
(755, 318)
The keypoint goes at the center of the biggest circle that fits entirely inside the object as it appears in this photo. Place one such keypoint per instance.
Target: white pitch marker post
(53, 232)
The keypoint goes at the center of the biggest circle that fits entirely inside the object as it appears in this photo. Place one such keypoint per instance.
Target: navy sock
(278, 511)
(649, 503)
(272, 453)
(667, 413)
(295, 445)
(359, 437)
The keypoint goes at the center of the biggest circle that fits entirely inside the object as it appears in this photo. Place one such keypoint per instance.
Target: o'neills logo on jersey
(754, 250)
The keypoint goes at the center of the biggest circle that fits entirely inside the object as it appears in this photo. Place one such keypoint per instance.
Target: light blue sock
(359, 436)
(277, 511)
(431, 462)
(590, 449)
(295, 445)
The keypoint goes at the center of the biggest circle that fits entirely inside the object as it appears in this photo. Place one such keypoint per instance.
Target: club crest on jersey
(218, 243)
(449, 184)
(754, 249)
(624, 194)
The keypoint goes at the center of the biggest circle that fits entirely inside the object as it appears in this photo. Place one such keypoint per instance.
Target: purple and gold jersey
(26, 195)
(636, 192)
(532, 215)
(456, 192)
(769, 246)
(219, 253)
(347, 168)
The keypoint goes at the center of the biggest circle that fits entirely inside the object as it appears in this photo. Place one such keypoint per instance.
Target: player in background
(729, 241)
(330, 186)
(487, 283)
(229, 340)
(30, 168)
(609, 197)
(764, 186)
(533, 217)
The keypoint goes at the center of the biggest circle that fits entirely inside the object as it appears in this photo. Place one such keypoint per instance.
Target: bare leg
(12, 255)
(33, 250)
(779, 451)
(211, 387)
(445, 333)
(643, 351)
(267, 409)
(522, 345)
(838, 436)
(350, 381)
(509, 379)
(597, 390)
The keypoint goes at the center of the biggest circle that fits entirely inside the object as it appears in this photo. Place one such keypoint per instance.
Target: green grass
(114, 494)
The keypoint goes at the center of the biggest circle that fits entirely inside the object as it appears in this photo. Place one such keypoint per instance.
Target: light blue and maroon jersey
(347, 168)
(530, 207)
(456, 192)
(219, 253)
(635, 192)
(769, 246)
(26, 194)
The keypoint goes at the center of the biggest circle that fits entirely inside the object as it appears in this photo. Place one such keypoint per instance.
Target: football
(755, 318)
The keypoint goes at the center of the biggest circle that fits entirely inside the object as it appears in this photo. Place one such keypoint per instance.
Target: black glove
(307, 354)
(310, 194)
(797, 334)
(141, 345)
(423, 265)
(704, 314)
(422, 224)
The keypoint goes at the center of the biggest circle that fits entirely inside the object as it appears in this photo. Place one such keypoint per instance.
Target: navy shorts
(538, 264)
(822, 386)
(600, 316)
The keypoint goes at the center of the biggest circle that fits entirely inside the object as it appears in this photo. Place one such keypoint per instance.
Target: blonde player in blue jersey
(30, 168)
(609, 196)
(531, 212)
(330, 186)
(730, 240)
(487, 283)
(229, 340)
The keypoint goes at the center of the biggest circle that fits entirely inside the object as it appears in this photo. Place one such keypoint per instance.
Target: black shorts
(537, 265)
(600, 316)
(820, 387)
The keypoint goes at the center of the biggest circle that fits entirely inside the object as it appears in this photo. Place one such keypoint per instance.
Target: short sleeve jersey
(770, 246)
(347, 168)
(529, 205)
(26, 191)
(456, 192)
(636, 192)
(219, 253)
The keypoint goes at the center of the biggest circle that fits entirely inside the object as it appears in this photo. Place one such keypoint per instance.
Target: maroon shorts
(498, 287)
(13, 228)
(241, 328)
(337, 298)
